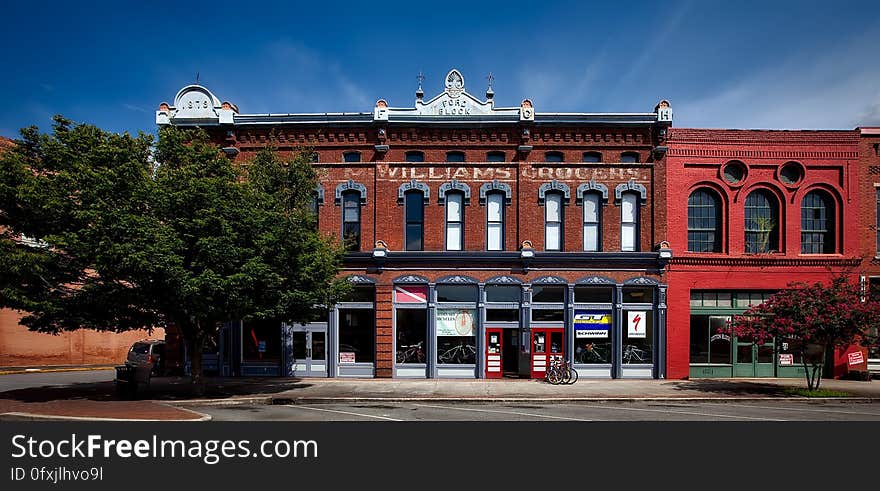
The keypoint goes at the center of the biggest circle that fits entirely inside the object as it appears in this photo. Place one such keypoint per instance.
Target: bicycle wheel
(553, 376)
(573, 375)
(565, 374)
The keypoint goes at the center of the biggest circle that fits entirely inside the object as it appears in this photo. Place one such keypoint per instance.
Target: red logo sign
(855, 358)
(636, 320)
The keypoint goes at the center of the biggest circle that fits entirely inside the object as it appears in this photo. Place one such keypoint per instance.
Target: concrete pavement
(162, 400)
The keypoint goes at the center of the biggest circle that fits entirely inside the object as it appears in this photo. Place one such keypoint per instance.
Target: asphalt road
(599, 411)
(41, 379)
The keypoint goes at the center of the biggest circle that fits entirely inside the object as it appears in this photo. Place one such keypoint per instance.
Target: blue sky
(742, 64)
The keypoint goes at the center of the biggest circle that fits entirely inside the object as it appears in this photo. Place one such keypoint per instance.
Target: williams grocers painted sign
(509, 173)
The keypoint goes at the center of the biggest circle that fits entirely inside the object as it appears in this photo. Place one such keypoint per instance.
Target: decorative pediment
(350, 186)
(503, 280)
(549, 280)
(595, 280)
(454, 186)
(488, 187)
(410, 278)
(195, 104)
(591, 187)
(642, 281)
(457, 279)
(554, 186)
(357, 279)
(413, 185)
(631, 186)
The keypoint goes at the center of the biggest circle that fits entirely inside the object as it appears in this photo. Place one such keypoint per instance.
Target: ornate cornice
(410, 278)
(766, 261)
(503, 280)
(595, 280)
(457, 279)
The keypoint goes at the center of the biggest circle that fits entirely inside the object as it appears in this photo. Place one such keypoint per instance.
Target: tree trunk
(806, 368)
(195, 344)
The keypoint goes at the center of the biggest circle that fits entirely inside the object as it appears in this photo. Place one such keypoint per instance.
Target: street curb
(18, 416)
(341, 400)
(47, 370)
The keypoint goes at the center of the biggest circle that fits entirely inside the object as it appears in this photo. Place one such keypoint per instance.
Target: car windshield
(140, 348)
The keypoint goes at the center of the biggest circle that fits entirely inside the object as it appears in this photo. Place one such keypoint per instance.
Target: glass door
(309, 351)
(753, 360)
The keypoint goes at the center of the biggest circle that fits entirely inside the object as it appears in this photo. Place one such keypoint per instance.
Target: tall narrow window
(455, 156)
(415, 156)
(704, 221)
(351, 221)
(629, 157)
(817, 223)
(495, 221)
(592, 222)
(352, 156)
(495, 156)
(415, 220)
(553, 157)
(629, 222)
(762, 222)
(454, 221)
(553, 222)
(878, 221)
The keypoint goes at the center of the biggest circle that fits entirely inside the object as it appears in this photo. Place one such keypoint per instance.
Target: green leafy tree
(122, 235)
(814, 318)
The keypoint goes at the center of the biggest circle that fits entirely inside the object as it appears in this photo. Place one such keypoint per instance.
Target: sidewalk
(161, 400)
(56, 368)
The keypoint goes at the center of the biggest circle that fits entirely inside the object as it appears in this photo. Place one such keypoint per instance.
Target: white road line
(517, 413)
(679, 412)
(342, 412)
(778, 408)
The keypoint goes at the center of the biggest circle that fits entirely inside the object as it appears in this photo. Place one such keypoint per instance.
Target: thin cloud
(132, 107)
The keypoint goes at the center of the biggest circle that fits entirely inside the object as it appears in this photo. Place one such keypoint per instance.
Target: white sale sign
(635, 322)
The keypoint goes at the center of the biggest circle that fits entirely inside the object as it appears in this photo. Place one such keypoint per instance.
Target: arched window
(553, 157)
(817, 223)
(704, 221)
(629, 222)
(553, 219)
(415, 156)
(415, 220)
(495, 156)
(351, 220)
(455, 156)
(592, 221)
(352, 156)
(629, 157)
(495, 221)
(454, 221)
(762, 222)
(592, 157)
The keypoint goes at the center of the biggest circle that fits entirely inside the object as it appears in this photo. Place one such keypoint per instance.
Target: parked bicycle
(411, 353)
(561, 372)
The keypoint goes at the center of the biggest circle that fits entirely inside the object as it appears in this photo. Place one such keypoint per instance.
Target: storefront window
(261, 341)
(456, 336)
(412, 332)
(356, 336)
(592, 336)
(638, 295)
(708, 345)
(790, 352)
(638, 337)
(592, 294)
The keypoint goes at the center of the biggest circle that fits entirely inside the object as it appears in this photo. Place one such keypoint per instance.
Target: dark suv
(148, 353)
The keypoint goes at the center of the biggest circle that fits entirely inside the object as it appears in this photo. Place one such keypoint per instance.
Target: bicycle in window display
(459, 354)
(633, 354)
(411, 353)
(561, 372)
(590, 353)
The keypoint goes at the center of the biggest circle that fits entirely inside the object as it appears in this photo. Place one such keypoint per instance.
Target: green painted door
(752, 360)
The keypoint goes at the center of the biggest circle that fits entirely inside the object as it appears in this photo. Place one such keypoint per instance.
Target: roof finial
(489, 92)
(419, 92)
(197, 78)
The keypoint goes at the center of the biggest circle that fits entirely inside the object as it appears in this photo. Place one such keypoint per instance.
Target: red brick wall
(869, 182)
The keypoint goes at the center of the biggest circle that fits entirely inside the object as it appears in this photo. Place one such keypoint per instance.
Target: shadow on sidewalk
(731, 388)
(160, 389)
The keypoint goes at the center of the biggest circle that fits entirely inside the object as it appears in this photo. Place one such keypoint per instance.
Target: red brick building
(869, 218)
(749, 212)
(483, 240)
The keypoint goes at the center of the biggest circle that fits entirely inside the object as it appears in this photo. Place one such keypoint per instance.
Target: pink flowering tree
(813, 318)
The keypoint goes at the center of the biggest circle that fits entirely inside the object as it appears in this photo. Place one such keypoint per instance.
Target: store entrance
(309, 353)
(502, 352)
(510, 353)
(753, 360)
(546, 346)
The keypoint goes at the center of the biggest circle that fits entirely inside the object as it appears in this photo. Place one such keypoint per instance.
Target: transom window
(415, 156)
(762, 222)
(352, 156)
(817, 223)
(592, 221)
(553, 157)
(704, 221)
(455, 156)
(495, 157)
(592, 157)
(629, 157)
